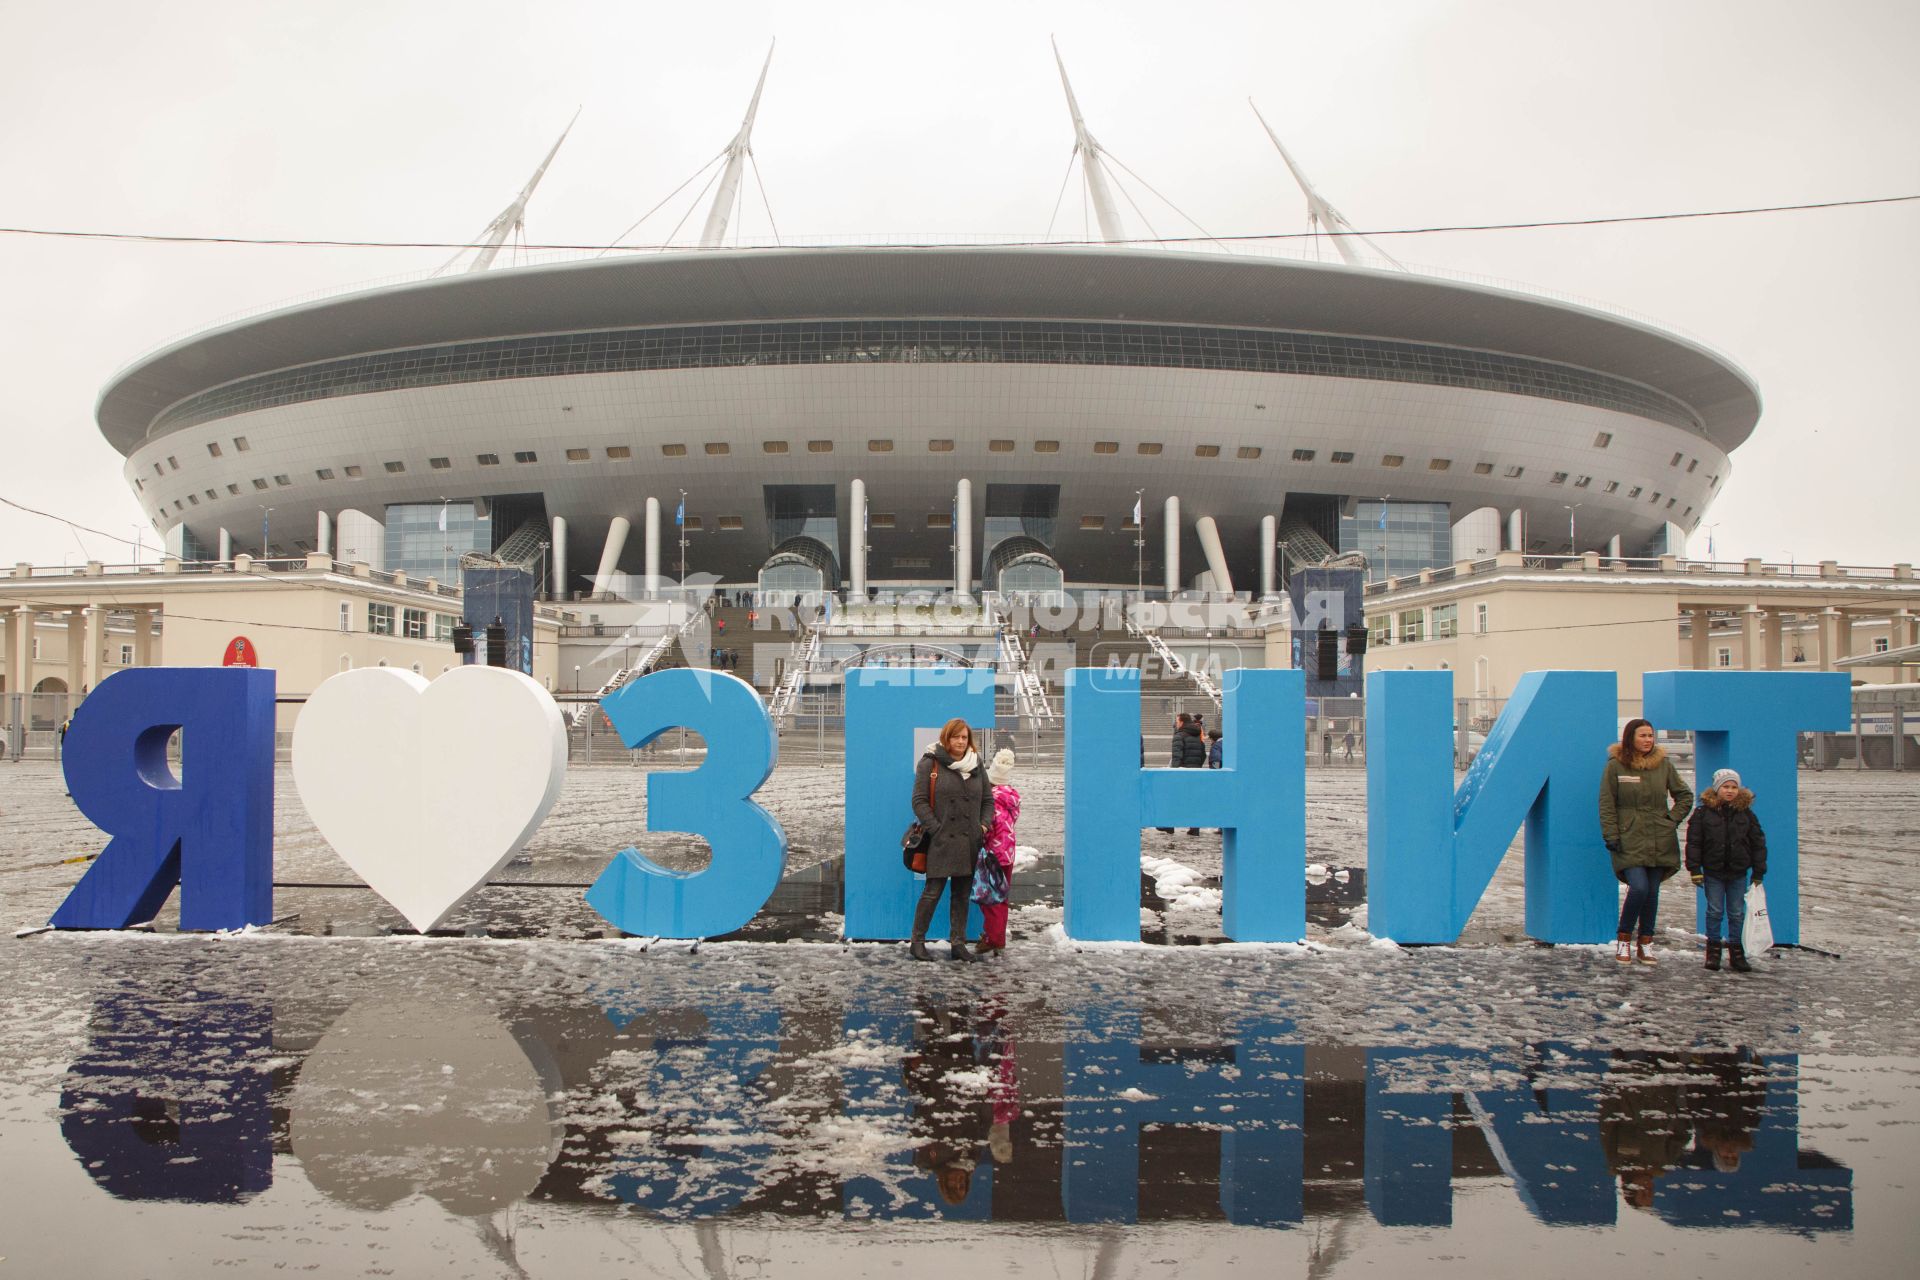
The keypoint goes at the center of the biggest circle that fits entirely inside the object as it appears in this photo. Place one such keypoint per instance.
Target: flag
(1383, 515)
(1136, 511)
(680, 514)
(443, 517)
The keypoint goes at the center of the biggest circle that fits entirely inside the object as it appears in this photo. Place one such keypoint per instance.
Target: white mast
(738, 150)
(1319, 212)
(1091, 163)
(514, 216)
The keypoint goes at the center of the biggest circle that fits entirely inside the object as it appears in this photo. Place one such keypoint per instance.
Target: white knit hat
(1002, 767)
(1725, 775)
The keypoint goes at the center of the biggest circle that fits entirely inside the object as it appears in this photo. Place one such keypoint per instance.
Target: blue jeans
(1726, 898)
(1643, 900)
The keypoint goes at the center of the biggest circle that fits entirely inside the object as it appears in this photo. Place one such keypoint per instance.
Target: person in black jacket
(1724, 843)
(1190, 752)
(952, 800)
(1180, 723)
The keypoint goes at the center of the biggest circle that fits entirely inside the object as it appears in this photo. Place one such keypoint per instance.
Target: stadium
(1349, 409)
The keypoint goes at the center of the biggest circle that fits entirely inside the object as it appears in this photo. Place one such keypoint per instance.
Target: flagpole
(680, 518)
(1139, 544)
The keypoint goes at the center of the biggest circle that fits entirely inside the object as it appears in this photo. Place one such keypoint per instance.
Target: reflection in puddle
(925, 1104)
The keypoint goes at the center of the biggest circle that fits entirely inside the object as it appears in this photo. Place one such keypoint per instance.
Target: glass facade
(1398, 538)
(427, 539)
(928, 342)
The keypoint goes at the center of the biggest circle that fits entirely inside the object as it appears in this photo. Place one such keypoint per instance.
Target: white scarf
(966, 764)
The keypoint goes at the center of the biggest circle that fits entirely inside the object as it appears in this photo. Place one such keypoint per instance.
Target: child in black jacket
(1724, 843)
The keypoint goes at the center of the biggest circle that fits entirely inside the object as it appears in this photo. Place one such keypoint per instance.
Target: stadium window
(1713, 482)
(879, 446)
(1247, 452)
(213, 448)
(1686, 513)
(1558, 477)
(159, 470)
(1392, 460)
(525, 455)
(324, 473)
(1341, 456)
(1128, 525)
(1046, 446)
(1654, 501)
(282, 481)
(211, 495)
(395, 468)
(1671, 501)
(1206, 451)
(413, 624)
(1612, 486)
(440, 464)
(233, 490)
(194, 498)
(1581, 482)
(240, 444)
(179, 505)
(579, 455)
(1675, 460)
(173, 463)
(1106, 446)
(353, 471)
(1093, 522)
(732, 522)
(880, 521)
(673, 451)
(379, 619)
(616, 452)
(1439, 464)
(1148, 448)
(1602, 440)
(1305, 455)
(1514, 473)
(716, 448)
(1691, 464)
(258, 483)
(999, 446)
(773, 446)
(940, 520)
(1634, 492)
(819, 446)
(1483, 468)
(693, 524)
(487, 459)
(139, 484)
(939, 446)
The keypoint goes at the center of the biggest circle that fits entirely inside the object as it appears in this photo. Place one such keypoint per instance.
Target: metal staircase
(662, 646)
(787, 696)
(1029, 690)
(1172, 663)
(522, 546)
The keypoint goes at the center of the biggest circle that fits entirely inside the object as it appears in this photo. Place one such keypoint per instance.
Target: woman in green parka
(1642, 804)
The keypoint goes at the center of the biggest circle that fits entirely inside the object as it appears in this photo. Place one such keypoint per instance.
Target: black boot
(922, 917)
(1713, 954)
(957, 903)
(1737, 958)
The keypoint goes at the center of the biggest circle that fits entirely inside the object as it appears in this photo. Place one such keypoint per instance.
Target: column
(323, 534)
(1613, 547)
(1702, 630)
(1269, 540)
(95, 636)
(1750, 637)
(557, 590)
(962, 539)
(652, 548)
(20, 657)
(1216, 554)
(9, 651)
(1516, 530)
(1904, 630)
(226, 547)
(1773, 639)
(143, 637)
(610, 555)
(857, 539)
(1171, 535)
(1829, 627)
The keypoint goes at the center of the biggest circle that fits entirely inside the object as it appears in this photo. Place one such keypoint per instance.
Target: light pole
(1140, 544)
(266, 524)
(680, 518)
(1573, 543)
(136, 544)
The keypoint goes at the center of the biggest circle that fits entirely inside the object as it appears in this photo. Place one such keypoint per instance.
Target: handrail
(805, 654)
(1172, 662)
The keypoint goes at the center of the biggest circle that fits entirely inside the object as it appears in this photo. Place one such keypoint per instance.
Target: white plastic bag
(1756, 935)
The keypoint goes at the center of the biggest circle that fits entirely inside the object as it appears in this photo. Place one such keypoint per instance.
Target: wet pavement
(532, 1098)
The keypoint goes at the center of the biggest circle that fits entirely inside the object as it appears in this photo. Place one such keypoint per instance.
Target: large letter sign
(885, 705)
(210, 830)
(636, 894)
(1749, 721)
(1258, 799)
(1431, 852)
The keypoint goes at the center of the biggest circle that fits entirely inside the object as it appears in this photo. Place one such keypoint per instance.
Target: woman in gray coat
(952, 800)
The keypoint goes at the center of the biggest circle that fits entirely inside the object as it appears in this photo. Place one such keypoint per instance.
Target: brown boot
(1623, 948)
(1646, 955)
(1713, 954)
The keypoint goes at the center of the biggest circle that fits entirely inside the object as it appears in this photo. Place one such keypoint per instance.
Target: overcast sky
(390, 120)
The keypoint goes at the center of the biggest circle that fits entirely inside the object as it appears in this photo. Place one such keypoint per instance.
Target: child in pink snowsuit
(1006, 812)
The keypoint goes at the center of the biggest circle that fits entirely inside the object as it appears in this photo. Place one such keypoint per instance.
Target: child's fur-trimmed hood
(1712, 799)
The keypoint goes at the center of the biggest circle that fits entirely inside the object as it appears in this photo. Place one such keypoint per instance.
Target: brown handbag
(914, 843)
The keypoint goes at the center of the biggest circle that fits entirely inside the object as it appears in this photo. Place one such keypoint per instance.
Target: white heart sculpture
(427, 789)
